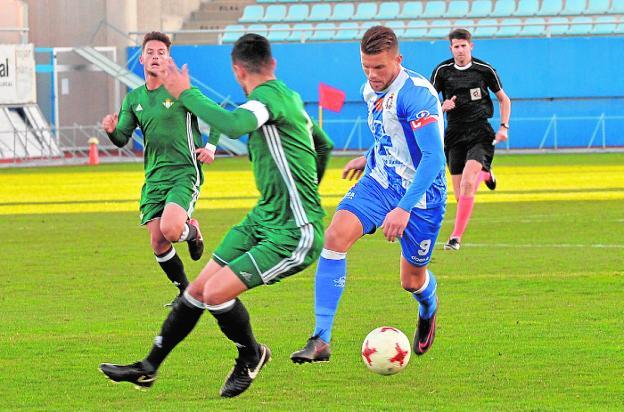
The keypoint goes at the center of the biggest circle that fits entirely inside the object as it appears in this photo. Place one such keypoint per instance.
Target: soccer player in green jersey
(172, 173)
(280, 236)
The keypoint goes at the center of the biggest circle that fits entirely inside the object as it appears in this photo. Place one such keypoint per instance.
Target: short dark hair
(460, 34)
(156, 35)
(253, 52)
(378, 39)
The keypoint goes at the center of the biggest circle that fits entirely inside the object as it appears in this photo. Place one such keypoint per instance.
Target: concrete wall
(75, 23)
(11, 16)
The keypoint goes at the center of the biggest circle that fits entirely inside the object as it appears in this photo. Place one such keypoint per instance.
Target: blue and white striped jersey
(406, 151)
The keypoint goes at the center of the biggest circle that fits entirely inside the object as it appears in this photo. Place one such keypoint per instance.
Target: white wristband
(210, 147)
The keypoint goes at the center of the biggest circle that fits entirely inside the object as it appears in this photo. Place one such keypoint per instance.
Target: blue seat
(620, 29)
(551, 8)
(320, 12)
(557, 26)
(434, 9)
(297, 12)
(467, 24)
(279, 32)
(457, 8)
(617, 7)
(388, 10)
(504, 8)
(480, 8)
(605, 25)
(260, 29)
(533, 27)
(232, 32)
(597, 6)
(527, 8)
(398, 26)
(583, 26)
(509, 28)
(274, 12)
(365, 11)
(416, 29)
(301, 32)
(365, 26)
(439, 29)
(347, 31)
(252, 14)
(343, 11)
(412, 10)
(486, 28)
(324, 31)
(574, 8)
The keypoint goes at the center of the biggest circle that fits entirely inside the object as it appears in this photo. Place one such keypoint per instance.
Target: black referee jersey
(470, 84)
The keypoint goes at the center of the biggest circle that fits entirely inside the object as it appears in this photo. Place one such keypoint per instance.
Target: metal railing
(307, 33)
(360, 138)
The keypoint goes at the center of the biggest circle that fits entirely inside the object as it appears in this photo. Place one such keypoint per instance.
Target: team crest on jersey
(389, 101)
(168, 103)
(139, 108)
(475, 94)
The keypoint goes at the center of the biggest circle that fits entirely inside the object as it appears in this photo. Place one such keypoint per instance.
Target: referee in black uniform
(469, 139)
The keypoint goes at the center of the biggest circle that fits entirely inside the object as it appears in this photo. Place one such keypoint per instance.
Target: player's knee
(467, 187)
(195, 291)
(214, 298)
(409, 285)
(335, 240)
(171, 232)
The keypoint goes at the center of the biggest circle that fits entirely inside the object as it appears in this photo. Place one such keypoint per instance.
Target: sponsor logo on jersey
(139, 108)
(475, 94)
(422, 121)
(350, 195)
(168, 103)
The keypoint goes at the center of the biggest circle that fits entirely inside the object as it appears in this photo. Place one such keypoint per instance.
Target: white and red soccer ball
(386, 350)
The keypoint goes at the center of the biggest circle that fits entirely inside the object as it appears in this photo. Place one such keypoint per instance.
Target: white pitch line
(541, 246)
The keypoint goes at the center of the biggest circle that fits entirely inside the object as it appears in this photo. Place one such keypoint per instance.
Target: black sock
(192, 232)
(234, 323)
(173, 267)
(180, 322)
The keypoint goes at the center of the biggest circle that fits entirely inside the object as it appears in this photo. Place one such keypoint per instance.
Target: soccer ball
(386, 350)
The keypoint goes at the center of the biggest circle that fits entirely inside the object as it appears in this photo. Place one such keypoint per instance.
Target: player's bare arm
(354, 169)
(505, 110)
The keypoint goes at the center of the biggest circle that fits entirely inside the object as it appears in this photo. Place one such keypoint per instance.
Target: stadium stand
(424, 19)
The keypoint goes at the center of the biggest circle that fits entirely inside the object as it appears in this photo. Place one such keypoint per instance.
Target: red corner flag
(331, 98)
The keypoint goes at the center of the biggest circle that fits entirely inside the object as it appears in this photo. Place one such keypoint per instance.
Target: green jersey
(288, 150)
(170, 132)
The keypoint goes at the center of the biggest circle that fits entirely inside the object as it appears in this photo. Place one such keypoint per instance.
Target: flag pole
(320, 115)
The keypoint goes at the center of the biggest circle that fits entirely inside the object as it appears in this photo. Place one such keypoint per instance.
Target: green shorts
(183, 192)
(260, 255)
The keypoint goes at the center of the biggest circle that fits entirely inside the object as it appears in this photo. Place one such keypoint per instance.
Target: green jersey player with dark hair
(279, 237)
(173, 174)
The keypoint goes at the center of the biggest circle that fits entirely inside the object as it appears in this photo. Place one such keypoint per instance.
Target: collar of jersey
(469, 65)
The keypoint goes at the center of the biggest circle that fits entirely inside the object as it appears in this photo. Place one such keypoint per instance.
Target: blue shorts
(370, 202)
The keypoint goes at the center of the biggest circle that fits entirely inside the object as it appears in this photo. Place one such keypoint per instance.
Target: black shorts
(470, 142)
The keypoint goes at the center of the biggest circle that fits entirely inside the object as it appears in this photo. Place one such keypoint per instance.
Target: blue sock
(331, 274)
(426, 297)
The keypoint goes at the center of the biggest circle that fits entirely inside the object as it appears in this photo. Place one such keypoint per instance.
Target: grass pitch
(530, 314)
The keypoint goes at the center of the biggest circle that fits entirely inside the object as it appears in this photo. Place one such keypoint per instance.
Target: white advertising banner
(17, 74)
